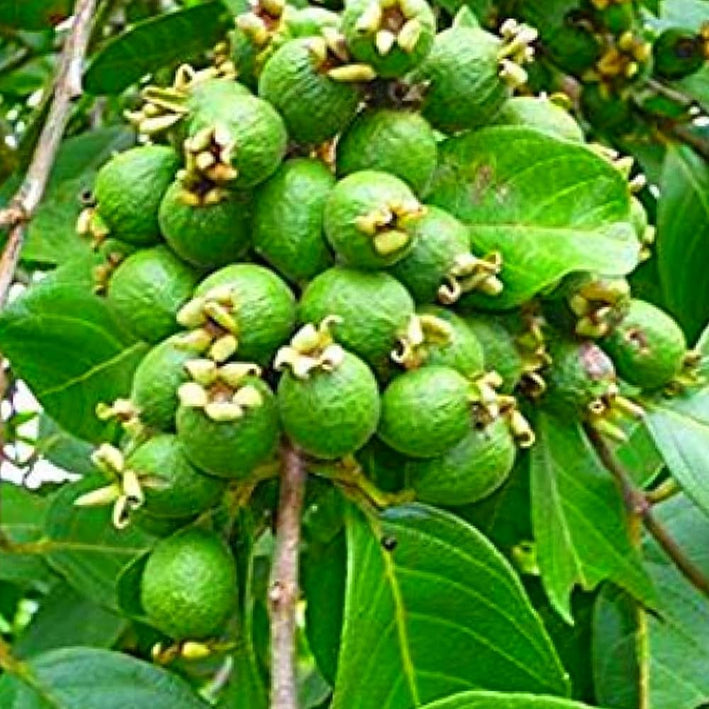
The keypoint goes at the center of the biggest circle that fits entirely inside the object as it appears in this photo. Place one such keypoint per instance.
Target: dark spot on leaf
(389, 542)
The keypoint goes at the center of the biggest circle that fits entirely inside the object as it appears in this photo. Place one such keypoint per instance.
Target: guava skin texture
(580, 373)
(288, 219)
(187, 587)
(314, 106)
(425, 412)
(265, 310)
(155, 384)
(206, 236)
(331, 413)
(468, 472)
(465, 90)
(172, 486)
(357, 196)
(401, 143)
(438, 239)
(231, 449)
(148, 288)
(648, 347)
(373, 307)
(129, 189)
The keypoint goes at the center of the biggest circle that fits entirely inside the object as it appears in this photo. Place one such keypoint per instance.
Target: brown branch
(640, 507)
(67, 88)
(283, 587)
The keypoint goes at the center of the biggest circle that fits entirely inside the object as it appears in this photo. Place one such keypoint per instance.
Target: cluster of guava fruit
(271, 238)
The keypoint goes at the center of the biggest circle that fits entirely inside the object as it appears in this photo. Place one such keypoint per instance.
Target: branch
(67, 88)
(640, 507)
(283, 587)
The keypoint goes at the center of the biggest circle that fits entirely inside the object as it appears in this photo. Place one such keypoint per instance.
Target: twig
(66, 89)
(283, 587)
(640, 507)
(684, 134)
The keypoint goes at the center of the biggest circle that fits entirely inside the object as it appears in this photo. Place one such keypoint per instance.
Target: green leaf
(579, 520)
(680, 429)
(22, 518)
(34, 14)
(152, 44)
(678, 640)
(71, 350)
(441, 612)
(503, 700)
(66, 618)
(99, 679)
(62, 449)
(683, 237)
(246, 688)
(52, 237)
(689, 14)
(85, 548)
(616, 670)
(549, 206)
(323, 577)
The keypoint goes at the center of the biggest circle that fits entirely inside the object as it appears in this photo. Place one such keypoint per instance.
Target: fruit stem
(639, 507)
(283, 585)
(350, 476)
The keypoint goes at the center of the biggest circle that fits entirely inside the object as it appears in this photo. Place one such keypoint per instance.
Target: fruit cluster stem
(67, 88)
(639, 507)
(283, 586)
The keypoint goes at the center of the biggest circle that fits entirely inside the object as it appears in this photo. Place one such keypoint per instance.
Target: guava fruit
(327, 397)
(153, 395)
(500, 352)
(172, 486)
(399, 142)
(468, 72)
(287, 226)
(228, 424)
(242, 307)
(128, 191)
(605, 109)
(147, 290)
(678, 53)
(468, 472)
(440, 266)
(648, 347)
(440, 337)
(298, 81)
(426, 411)
(241, 146)
(578, 381)
(372, 309)
(188, 585)
(392, 36)
(369, 219)
(207, 230)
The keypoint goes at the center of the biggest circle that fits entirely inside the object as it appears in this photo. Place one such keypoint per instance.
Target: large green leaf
(680, 429)
(70, 348)
(52, 237)
(683, 237)
(66, 618)
(22, 518)
(579, 520)
(501, 700)
(85, 548)
(440, 612)
(324, 572)
(153, 44)
(62, 449)
(549, 206)
(616, 668)
(678, 640)
(84, 678)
